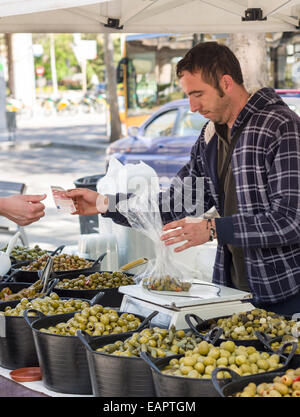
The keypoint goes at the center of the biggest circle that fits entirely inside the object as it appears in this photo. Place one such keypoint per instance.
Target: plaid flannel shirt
(266, 169)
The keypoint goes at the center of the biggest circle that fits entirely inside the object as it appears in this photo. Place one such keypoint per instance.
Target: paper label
(2, 326)
(63, 204)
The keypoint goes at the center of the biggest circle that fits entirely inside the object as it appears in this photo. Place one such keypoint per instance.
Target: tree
(115, 122)
(66, 63)
(10, 62)
(251, 51)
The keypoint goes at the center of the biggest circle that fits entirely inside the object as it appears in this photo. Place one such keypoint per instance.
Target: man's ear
(226, 83)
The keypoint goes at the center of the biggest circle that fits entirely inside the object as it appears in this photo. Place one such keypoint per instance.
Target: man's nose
(194, 105)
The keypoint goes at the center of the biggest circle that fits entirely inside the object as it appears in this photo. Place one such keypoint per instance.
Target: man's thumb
(35, 198)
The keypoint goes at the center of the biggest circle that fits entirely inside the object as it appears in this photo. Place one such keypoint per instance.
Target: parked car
(165, 139)
(291, 98)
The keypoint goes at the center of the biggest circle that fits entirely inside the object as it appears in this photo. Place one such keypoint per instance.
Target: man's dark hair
(213, 60)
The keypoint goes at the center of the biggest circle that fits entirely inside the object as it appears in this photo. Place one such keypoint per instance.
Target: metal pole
(53, 65)
(83, 70)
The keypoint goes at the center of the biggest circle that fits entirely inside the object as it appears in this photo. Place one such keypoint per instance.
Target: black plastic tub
(205, 325)
(17, 349)
(14, 287)
(63, 359)
(21, 275)
(238, 383)
(18, 286)
(267, 343)
(16, 262)
(177, 386)
(112, 297)
(116, 376)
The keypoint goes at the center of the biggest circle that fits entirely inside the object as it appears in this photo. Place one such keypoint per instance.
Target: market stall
(135, 16)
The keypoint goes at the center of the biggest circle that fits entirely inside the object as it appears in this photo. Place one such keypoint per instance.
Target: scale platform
(204, 299)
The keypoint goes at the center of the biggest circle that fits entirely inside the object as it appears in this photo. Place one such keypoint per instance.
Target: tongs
(46, 273)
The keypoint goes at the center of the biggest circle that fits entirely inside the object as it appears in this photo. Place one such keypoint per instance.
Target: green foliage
(66, 63)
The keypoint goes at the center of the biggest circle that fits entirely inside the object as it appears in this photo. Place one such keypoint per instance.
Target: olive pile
(35, 290)
(157, 342)
(62, 262)
(287, 385)
(96, 321)
(96, 281)
(204, 358)
(277, 345)
(243, 325)
(49, 305)
(5, 292)
(166, 284)
(22, 253)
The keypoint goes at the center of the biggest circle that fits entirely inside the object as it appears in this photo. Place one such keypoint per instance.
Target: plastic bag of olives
(164, 272)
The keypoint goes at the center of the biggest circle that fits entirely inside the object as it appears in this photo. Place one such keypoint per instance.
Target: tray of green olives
(17, 349)
(242, 327)
(275, 343)
(86, 285)
(22, 255)
(190, 374)
(116, 367)
(277, 384)
(95, 319)
(30, 271)
(62, 356)
(10, 291)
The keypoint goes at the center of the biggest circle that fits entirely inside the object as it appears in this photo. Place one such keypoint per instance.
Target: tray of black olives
(242, 327)
(30, 271)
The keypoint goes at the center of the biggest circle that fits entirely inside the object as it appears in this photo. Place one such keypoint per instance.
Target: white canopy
(149, 16)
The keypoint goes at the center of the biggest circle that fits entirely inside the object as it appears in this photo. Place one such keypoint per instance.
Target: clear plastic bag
(163, 273)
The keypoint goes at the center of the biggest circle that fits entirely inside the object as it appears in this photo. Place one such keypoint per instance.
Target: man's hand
(23, 209)
(88, 202)
(194, 231)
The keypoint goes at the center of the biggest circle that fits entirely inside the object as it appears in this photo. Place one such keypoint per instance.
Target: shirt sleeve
(188, 195)
(279, 224)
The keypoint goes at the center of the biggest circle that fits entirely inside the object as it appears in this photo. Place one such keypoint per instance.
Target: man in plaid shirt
(257, 193)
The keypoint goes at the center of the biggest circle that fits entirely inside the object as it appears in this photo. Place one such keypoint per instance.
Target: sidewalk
(82, 132)
(54, 152)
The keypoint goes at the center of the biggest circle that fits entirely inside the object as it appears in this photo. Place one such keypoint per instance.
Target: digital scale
(204, 299)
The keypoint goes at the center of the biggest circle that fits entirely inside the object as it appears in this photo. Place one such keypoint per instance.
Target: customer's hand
(23, 209)
(88, 202)
(190, 230)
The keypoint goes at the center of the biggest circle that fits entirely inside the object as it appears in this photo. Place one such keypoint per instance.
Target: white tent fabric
(16, 7)
(148, 16)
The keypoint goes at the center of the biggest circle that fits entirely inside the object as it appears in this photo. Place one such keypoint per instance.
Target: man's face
(204, 98)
